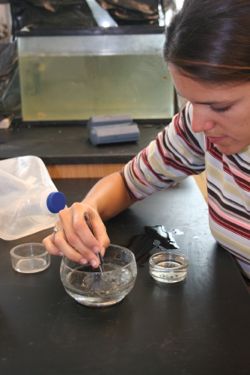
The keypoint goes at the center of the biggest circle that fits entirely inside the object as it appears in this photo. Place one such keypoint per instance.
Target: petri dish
(29, 257)
(168, 267)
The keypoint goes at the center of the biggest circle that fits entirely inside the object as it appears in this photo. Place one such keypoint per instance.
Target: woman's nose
(200, 120)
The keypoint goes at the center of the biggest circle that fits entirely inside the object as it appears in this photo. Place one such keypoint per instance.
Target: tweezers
(88, 222)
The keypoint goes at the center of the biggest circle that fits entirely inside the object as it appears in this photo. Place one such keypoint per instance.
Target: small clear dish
(90, 287)
(168, 267)
(29, 257)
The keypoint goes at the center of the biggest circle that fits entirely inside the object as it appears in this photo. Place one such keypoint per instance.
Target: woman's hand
(77, 239)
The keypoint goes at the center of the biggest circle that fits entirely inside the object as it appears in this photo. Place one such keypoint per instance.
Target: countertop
(199, 326)
(68, 144)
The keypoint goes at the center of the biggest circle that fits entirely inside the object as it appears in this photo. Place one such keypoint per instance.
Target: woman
(208, 55)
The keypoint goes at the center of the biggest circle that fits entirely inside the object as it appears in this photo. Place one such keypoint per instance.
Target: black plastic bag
(153, 239)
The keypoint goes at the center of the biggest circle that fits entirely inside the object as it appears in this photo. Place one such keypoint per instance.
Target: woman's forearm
(109, 196)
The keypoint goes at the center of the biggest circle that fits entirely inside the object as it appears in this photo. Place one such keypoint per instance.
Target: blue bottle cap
(56, 201)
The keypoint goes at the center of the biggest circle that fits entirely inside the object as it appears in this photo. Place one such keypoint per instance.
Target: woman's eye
(220, 109)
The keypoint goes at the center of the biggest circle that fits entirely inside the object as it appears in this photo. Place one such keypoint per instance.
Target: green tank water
(76, 84)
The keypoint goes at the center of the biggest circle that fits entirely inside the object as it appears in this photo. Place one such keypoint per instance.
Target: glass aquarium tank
(74, 77)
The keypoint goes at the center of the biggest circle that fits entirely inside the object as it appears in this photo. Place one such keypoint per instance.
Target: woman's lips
(216, 140)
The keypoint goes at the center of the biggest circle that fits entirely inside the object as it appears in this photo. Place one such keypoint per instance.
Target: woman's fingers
(57, 244)
(100, 233)
(50, 246)
(83, 255)
(76, 230)
(76, 237)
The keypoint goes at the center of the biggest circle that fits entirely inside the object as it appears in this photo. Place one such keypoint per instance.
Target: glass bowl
(168, 266)
(29, 257)
(90, 287)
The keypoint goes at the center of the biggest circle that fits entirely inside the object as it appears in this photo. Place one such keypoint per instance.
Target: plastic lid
(56, 201)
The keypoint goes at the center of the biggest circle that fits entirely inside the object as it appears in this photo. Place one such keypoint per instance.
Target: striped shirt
(176, 153)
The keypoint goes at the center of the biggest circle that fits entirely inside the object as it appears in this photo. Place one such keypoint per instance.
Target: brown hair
(209, 40)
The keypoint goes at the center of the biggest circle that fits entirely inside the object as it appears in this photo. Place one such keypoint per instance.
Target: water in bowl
(173, 274)
(99, 289)
(168, 267)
